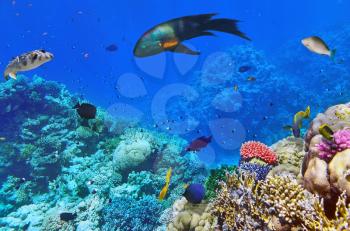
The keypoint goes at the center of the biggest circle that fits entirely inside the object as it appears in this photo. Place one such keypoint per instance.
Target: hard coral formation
(57, 165)
(321, 174)
(278, 203)
(131, 214)
(187, 216)
(259, 170)
(216, 176)
(254, 149)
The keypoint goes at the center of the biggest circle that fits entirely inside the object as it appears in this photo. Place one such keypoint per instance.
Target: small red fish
(198, 144)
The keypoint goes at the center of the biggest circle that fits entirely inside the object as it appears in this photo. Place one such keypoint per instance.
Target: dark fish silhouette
(68, 216)
(168, 36)
(243, 69)
(112, 48)
(86, 110)
(198, 144)
(194, 193)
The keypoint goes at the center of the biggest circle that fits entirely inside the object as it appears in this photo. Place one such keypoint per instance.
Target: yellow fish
(164, 191)
(299, 116)
(326, 131)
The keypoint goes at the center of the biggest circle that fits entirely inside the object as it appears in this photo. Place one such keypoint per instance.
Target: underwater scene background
(244, 130)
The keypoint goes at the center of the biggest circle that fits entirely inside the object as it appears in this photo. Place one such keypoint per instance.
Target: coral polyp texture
(340, 142)
(255, 149)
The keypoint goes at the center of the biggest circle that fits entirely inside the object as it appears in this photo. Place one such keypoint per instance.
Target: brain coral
(254, 149)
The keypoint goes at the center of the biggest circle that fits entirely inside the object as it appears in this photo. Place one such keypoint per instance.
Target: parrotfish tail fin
(333, 52)
(225, 25)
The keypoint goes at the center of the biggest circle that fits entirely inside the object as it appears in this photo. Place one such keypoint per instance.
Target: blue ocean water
(77, 33)
(178, 94)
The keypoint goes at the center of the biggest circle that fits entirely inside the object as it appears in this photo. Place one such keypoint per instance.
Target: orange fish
(164, 191)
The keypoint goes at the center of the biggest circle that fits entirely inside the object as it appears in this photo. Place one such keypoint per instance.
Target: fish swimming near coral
(164, 191)
(86, 110)
(298, 122)
(199, 143)
(317, 45)
(326, 131)
(26, 62)
(194, 193)
(168, 36)
(66, 216)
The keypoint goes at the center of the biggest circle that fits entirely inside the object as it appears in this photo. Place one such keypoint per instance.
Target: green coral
(27, 151)
(214, 179)
(110, 144)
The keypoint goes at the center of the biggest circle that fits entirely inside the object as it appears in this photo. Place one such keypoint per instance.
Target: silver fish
(26, 62)
(318, 46)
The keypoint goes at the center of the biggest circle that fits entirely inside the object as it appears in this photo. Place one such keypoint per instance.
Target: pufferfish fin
(181, 48)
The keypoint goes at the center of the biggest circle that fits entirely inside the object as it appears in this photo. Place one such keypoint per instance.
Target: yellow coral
(321, 222)
(282, 197)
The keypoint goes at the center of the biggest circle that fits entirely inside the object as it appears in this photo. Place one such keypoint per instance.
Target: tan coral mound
(188, 216)
(327, 180)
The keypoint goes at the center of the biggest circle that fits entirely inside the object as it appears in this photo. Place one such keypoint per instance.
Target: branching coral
(214, 179)
(259, 170)
(246, 204)
(130, 214)
(235, 204)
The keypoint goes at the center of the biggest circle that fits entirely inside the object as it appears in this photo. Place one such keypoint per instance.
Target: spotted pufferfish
(27, 61)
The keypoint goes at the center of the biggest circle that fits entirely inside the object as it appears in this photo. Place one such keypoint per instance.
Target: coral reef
(52, 162)
(322, 170)
(216, 176)
(130, 214)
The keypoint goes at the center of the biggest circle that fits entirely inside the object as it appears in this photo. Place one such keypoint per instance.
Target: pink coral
(341, 141)
(255, 149)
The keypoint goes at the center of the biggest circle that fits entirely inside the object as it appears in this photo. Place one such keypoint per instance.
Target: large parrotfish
(168, 36)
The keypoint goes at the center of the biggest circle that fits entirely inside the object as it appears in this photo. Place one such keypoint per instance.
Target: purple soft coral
(341, 141)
